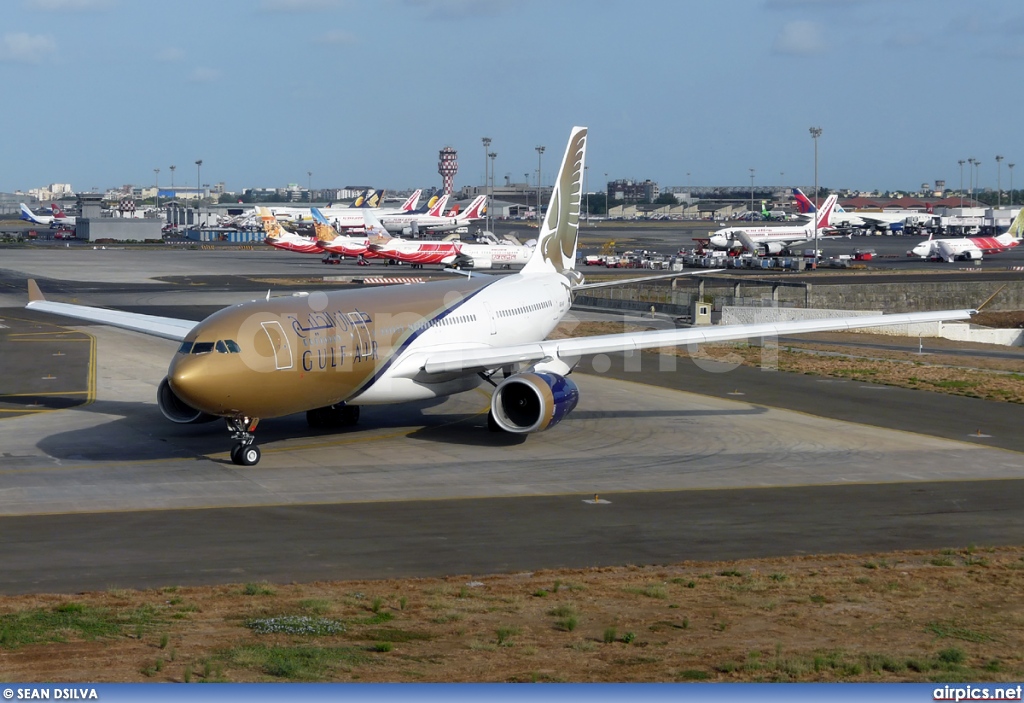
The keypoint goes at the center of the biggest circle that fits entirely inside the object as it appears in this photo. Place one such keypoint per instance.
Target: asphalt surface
(755, 463)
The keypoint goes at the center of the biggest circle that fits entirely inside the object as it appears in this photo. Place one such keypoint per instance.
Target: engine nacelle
(177, 410)
(773, 248)
(972, 255)
(532, 402)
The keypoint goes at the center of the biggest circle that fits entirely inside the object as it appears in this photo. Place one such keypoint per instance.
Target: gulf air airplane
(328, 353)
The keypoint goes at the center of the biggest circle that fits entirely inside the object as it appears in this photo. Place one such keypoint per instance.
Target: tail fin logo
(803, 203)
(556, 243)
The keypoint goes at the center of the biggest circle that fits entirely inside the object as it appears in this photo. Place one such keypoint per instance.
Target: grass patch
(506, 633)
(947, 630)
(71, 620)
(301, 663)
(257, 589)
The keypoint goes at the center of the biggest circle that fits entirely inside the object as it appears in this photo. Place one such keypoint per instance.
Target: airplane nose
(186, 379)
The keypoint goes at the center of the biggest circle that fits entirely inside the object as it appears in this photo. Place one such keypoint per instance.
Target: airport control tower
(448, 166)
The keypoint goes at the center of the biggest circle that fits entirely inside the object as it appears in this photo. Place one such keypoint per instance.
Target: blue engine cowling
(532, 402)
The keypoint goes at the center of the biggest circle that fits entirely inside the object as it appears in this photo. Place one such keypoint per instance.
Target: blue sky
(101, 92)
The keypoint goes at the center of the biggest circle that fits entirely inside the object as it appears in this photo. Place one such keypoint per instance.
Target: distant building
(629, 191)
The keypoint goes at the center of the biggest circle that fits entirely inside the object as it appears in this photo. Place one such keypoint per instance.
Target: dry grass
(950, 615)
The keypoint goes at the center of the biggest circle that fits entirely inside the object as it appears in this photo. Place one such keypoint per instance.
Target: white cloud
(339, 37)
(27, 48)
(70, 5)
(800, 38)
(205, 75)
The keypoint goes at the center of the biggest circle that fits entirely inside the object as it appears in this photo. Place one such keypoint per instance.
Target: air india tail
(475, 210)
(438, 208)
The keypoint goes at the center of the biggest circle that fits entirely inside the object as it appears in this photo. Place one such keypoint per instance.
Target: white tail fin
(825, 214)
(412, 201)
(438, 208)
(556, 243)
(474, 211)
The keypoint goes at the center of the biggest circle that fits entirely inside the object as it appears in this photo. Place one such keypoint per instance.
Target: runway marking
(436, 499)
(29, 395)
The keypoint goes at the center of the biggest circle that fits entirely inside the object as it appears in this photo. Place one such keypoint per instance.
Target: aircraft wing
(484, 358)
(166, 327)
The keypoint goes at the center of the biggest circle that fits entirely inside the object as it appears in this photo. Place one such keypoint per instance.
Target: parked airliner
(328, 353)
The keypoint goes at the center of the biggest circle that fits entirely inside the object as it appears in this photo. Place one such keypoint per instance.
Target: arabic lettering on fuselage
(317, 322)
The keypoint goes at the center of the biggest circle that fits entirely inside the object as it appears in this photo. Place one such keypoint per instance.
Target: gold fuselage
(300, 352)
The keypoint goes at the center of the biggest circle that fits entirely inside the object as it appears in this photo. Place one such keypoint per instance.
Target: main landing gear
(245, 452)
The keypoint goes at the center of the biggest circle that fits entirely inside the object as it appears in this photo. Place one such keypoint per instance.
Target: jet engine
(532, 401)
(177, 410)
(773, 248)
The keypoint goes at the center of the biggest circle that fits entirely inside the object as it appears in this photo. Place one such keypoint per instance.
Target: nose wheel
(245, 452)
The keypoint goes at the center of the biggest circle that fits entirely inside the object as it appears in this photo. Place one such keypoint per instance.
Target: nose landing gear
(245, 452)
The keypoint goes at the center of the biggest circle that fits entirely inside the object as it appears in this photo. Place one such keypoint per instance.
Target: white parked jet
(327, 353)
(773, 240)
(970, 248)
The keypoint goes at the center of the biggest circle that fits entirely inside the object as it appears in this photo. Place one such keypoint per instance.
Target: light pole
(961, 162)
(815, 133)
(199, 187)
(487, 144)
(977, 178)
(751, 190)
(172, 180)
(999, 185)
(156, 184)
(587, 191)
(607, 198)
(970, 177)
(540, 152)
(1010, 166)
(309, 184)
(526, 188)
(490, 204)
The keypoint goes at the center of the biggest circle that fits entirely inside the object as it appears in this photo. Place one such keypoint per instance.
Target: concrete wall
(910, 296)
(121, 229)
(959, 331)
(745, 316)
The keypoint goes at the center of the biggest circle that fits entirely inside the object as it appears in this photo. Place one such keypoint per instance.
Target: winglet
(34, 294)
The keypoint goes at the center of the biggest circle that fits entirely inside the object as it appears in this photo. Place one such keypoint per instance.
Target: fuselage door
(490, 318)
(279, 341)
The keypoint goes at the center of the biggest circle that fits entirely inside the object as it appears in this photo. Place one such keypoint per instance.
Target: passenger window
(185, 348)
(232, 346)
(202, 347)
(221, 347)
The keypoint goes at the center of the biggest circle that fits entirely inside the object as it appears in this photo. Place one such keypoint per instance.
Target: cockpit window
(221, 347)
(185, 348)
(232, 346)
(202, 347)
